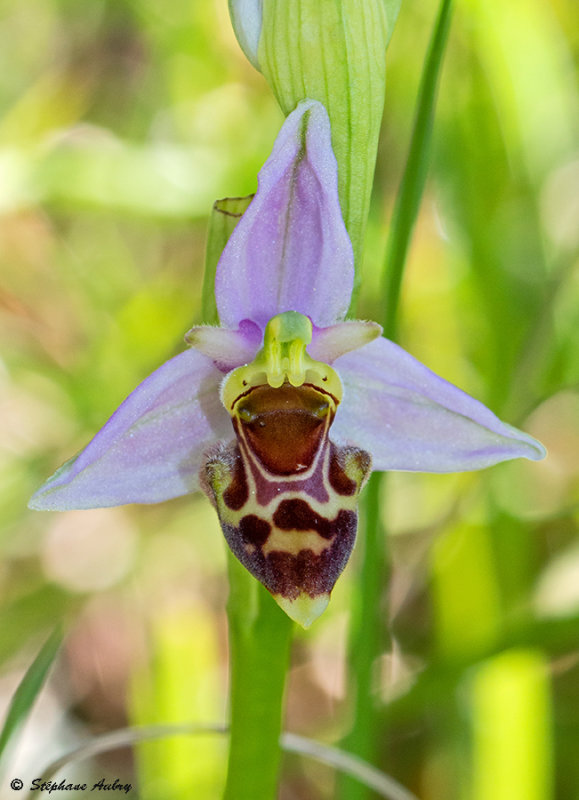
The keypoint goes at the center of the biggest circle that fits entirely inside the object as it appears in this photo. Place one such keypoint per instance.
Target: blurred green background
(121, 121)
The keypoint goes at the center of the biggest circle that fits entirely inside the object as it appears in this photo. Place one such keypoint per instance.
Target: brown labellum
(287, 496)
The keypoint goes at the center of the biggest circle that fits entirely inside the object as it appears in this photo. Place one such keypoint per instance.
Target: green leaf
(29, 688)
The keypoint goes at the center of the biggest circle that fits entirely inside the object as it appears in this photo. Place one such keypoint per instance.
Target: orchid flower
(280, 414)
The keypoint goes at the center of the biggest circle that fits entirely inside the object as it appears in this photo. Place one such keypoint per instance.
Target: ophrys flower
(280, 414)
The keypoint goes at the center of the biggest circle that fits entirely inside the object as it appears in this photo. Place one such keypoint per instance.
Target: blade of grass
(368, 617)
(382, 784)
(414, 178)
(29, 689)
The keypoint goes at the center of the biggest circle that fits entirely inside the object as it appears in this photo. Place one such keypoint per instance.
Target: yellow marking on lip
(294, 542)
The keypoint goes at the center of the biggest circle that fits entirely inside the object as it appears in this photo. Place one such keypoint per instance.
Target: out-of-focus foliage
(120, 124)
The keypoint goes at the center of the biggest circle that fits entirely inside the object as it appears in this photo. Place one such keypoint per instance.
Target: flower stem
(259, 641)
(259, 631)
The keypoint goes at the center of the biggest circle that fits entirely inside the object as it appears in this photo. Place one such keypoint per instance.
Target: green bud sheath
(334, 51)
(225, 215)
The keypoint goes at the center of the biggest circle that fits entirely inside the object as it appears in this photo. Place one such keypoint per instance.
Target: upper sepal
(290, 251)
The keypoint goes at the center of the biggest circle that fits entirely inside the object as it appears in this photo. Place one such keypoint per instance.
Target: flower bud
(332, 51)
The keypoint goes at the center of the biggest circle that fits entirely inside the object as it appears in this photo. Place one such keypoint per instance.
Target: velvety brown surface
(284, 426)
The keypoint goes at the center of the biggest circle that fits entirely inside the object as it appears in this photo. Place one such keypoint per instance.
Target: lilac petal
(290, 251)
(152, 447)
(227, 349)
(408, 418)
(330, 343)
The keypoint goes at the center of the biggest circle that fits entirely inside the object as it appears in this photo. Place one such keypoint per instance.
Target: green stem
(259, 642)
(259, 631)
(368, 630)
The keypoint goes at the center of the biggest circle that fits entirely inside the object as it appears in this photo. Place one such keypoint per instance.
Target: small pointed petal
(290, 251)
(152, 447)
(227, 349)
(247, 18)
(330, 343)
(408, 418)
